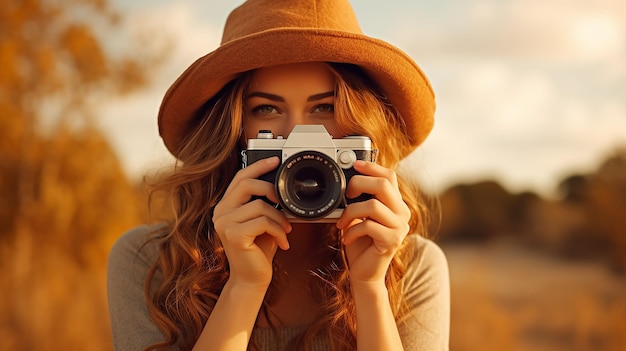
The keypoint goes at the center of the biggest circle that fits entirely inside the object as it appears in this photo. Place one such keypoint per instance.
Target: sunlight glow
(598, 35)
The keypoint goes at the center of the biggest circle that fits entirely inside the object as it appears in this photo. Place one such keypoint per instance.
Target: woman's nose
(293, 120)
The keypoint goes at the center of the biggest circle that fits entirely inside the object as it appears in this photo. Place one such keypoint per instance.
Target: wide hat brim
(398, 76)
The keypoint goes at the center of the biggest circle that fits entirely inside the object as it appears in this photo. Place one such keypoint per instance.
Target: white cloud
(131, 121)
(190, 36)
(597, 36)
(527, 90)
(563, 31)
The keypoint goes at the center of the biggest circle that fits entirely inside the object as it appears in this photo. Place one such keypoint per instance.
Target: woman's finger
(253, 171)
(376, 170)
(385, 240)
(242, 194)
(248, 212)
(256, 227)
(372, 209)
(257, 208)
(381, 183)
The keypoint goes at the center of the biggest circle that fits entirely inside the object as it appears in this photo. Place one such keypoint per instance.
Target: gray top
(426, 287)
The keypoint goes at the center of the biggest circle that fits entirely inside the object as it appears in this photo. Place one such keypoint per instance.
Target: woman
(232, 272)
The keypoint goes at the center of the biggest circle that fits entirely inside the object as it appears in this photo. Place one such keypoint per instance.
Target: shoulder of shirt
(425, 261)
(425, 325)
(424, 251)
(130, 259)
(137, 246)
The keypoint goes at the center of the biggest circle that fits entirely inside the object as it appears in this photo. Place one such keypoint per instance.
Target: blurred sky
(528, 91)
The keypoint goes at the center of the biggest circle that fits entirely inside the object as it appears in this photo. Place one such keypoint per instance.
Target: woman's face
(280, 97)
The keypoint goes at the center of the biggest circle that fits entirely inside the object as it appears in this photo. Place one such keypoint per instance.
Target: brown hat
(263, 33)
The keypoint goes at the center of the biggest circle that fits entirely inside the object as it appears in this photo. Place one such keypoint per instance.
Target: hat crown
(255, 16)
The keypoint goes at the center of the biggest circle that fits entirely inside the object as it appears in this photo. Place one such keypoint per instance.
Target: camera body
(311, 180)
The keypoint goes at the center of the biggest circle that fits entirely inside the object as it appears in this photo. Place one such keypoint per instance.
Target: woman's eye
(324, 108)
(265, 109)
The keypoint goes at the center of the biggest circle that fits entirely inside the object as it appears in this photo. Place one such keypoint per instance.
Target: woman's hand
(251, 231)
(374, 229)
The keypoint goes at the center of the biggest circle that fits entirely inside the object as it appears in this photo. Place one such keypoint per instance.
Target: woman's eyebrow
(320, 96)
(279, 98)
(268, 96)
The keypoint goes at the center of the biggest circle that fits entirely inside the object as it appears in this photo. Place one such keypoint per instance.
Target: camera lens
(310, 185)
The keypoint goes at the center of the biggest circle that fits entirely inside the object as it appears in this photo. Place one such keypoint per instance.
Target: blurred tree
(477, 211)
(53, 66)
(573, 188)
(521, 211)
(606, 206)
(595, 205)
(63, 195)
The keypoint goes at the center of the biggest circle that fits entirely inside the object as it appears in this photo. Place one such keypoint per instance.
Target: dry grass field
(505, 297)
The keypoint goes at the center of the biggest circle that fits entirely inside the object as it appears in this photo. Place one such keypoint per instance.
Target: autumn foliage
(64, 199)
(586, 221)
(63, 195)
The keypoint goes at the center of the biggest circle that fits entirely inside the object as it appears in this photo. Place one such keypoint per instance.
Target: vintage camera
(315, 169)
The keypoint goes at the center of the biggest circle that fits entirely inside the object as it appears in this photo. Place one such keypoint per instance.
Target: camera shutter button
(346, 158)
(265, 134)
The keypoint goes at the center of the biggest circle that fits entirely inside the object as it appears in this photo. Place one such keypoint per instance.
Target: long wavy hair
(192, 265)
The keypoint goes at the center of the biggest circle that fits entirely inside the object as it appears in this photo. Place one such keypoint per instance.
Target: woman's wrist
(230, 324)
(368, 288)
(244, 288)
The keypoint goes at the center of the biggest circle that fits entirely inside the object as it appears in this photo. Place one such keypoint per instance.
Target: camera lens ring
(310, 185)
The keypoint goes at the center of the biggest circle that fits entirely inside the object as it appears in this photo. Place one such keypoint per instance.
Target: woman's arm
(373, 231)
(376, 326)
(230, 325)
(250, 233)
(425, 324)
